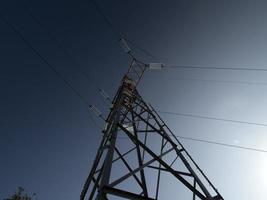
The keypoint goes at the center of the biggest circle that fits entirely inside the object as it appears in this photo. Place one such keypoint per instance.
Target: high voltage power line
(159, 131)
(211, 80)
(87, 77)
(211, 118)
(216, 68)
(15, 30)
(58, 74)
(120, 35)
(57, 43)
(214, 143)
(221, 144)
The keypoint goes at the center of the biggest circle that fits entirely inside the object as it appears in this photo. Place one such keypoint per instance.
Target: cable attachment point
(156, 66)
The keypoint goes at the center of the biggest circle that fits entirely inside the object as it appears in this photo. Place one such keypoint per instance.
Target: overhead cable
(59, 75)
(121, 35)
(212, 118)
(210, 80)
(58, 44)
(118, 34)
(212, 142)
(216, 68)
(221, 144)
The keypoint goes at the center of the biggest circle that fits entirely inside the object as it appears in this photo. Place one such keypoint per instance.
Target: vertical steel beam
(108, 161)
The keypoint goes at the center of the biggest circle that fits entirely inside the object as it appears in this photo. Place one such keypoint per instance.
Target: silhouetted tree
(20, 194)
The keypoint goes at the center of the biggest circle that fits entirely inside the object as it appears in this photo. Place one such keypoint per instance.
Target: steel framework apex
(138, 151)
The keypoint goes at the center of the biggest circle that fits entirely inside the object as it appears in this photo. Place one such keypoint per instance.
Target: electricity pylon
(137, 149)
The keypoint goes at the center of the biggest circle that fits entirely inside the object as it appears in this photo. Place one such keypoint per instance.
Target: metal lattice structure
(137, 149)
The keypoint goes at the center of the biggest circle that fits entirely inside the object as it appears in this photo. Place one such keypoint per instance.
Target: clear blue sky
(48, 143)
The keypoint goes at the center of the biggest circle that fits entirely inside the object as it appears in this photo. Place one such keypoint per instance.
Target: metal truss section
(136, 152)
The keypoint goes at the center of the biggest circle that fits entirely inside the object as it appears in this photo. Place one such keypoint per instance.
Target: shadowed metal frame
(131, 116)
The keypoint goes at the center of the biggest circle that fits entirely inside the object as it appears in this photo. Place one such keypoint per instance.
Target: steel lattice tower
(148, 150)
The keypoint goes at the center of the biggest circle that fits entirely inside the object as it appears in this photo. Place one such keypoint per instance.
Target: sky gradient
(47, 141)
